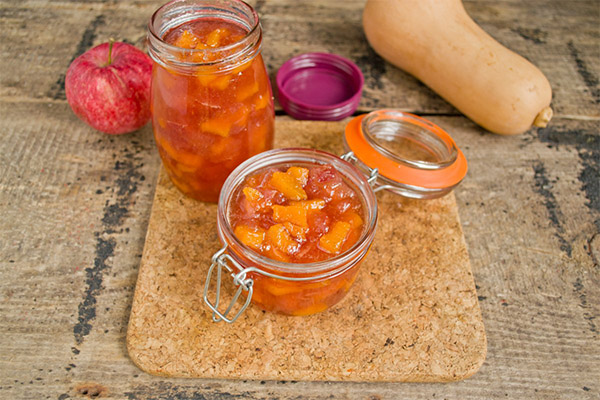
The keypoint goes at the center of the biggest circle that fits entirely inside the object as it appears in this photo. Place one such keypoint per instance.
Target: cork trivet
(412, 314)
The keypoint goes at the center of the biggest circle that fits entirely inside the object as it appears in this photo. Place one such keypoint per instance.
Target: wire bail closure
(222, 260)
(373, 173)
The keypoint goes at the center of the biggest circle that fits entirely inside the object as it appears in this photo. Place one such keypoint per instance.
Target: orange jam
(300, 215)
(207, 120)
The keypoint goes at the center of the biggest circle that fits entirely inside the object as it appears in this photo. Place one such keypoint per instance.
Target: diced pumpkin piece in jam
(214, 38)
(280, 239)
(298, 232)
(333, 240)
(217, 126)
(177, 171)
(283, 288)
(164, 144)
(221, 82)
(182, 158)
(261, 102)
(247, 91)
(219, 148)
(194, 161)
(256, 200)
(257, 142)
(353, 219)
(251, 237)
(294, 214)
(205, 79)
(309, 205)
(252, 194)
(187, 40)
(301, 174)
(288, 185)
(186, 169)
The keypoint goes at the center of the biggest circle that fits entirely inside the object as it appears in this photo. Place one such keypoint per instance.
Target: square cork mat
(412, 314)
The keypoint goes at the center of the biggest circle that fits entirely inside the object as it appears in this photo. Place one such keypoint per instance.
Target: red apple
(108, 87)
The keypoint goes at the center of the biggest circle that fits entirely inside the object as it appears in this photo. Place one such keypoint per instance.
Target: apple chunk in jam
(297, 214)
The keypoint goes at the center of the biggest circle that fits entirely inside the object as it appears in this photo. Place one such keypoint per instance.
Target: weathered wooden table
(75, 204)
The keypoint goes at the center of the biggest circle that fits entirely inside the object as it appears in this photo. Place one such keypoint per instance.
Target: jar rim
(432, 178)
(249, 45)
(425, 133)
(287, 156)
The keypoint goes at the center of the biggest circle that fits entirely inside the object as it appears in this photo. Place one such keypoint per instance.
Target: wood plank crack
(115, 213)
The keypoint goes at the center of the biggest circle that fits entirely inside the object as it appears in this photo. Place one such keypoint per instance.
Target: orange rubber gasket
(402, 173)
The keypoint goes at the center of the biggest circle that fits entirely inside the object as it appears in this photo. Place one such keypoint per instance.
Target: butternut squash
(437, 42)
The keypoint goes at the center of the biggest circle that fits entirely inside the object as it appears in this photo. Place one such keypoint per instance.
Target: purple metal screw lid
(319, 86)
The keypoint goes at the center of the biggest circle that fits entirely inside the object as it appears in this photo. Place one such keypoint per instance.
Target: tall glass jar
(212, 103)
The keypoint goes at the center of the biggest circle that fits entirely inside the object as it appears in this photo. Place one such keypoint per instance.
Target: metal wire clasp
(222, 260)
(373, 173)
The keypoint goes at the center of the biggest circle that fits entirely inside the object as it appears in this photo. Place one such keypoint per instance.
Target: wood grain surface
(75, 205)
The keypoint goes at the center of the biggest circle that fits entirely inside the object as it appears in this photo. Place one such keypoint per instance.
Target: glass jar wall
(212, 104)
(289, 287)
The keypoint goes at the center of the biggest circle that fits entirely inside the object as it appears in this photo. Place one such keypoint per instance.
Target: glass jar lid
(412, 156)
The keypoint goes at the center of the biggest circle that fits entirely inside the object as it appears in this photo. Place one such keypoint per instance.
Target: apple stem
(111, 41)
